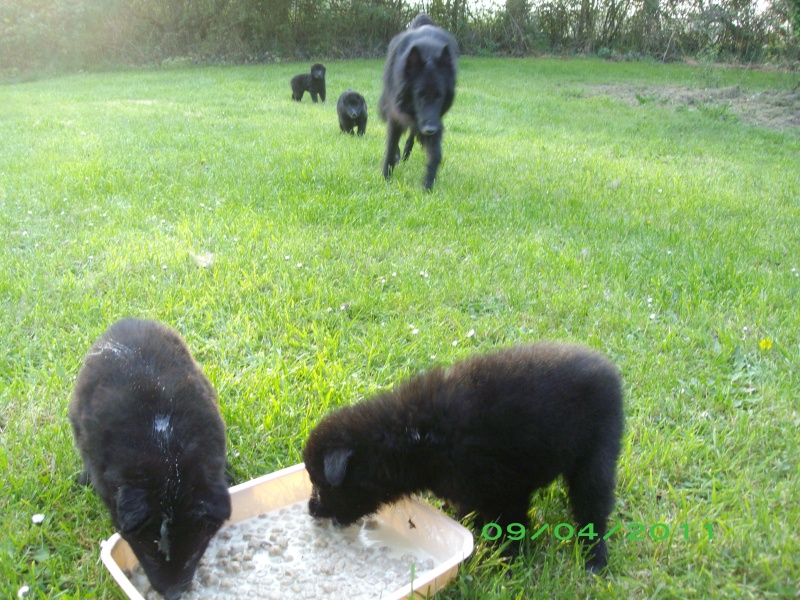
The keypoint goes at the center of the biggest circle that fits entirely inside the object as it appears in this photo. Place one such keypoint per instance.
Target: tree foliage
(68, 34)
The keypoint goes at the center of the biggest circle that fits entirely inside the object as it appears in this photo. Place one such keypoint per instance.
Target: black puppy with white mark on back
(149, 431)
(313, 83)
(419, 85)
(352, 111)
(483, 434)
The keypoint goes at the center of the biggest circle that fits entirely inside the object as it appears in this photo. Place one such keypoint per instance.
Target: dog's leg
(393, 132)
(409, 145)
(433, 150)
(501, 518)
(516, 513)
(591, 493)
(83, 478)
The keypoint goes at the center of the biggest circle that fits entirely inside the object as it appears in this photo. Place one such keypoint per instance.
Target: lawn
(663, 235)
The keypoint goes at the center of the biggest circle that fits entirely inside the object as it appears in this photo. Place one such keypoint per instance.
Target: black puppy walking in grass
(483, 434)
(313, 83)
(149, 431)
(419, 84)
(352, 111)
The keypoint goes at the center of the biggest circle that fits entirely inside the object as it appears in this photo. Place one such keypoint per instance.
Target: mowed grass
(206, 198)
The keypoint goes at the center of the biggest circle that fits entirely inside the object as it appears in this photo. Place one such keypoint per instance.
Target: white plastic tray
(434, 532)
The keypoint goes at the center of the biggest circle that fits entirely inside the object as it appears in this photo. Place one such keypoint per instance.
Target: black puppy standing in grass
(352, 111)
(149, 431)
(313, 83)
(483, 434)
(419, 83)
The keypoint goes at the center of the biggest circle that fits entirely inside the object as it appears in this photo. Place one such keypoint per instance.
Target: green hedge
(41, 35)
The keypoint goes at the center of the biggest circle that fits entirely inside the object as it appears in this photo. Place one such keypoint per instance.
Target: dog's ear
(445, 58)
(336, 465)
(132, 509)
(214, 504)
(414, 61)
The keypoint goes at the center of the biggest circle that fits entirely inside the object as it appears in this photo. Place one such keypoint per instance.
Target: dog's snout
(175, 592)
(429, 130)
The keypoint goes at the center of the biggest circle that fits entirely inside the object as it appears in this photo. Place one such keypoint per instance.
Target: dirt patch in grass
(769, 108)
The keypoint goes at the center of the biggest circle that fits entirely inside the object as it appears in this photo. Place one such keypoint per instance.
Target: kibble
(289, 555)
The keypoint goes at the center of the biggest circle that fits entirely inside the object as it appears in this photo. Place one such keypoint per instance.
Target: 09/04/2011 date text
(565, 531)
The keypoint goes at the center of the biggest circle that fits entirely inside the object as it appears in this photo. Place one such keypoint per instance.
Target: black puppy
(419, 84)
(352, 110)
(149, 431)
(484, 434)
(313, 83)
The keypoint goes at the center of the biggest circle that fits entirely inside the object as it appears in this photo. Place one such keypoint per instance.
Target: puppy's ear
(336, 465)
(132, 509)
(215, 504)
(414, 62)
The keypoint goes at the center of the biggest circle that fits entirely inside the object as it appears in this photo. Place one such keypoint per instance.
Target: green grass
(663, 237)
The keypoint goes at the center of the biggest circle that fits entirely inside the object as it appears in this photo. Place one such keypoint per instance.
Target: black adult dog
(352, 111)
(420, 20)
(484, 434)
(313, 83)
(149, 431)
(419, 83)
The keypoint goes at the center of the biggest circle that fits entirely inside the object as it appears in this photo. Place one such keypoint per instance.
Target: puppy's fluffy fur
(148, 429)
(484, 435)
(313, 83)
(352, 110)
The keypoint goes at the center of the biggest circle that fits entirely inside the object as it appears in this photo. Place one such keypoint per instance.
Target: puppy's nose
(174, 593)
(428, 130)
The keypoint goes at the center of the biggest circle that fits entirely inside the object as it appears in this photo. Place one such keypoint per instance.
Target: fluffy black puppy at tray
(483, 434)
(149, 431)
